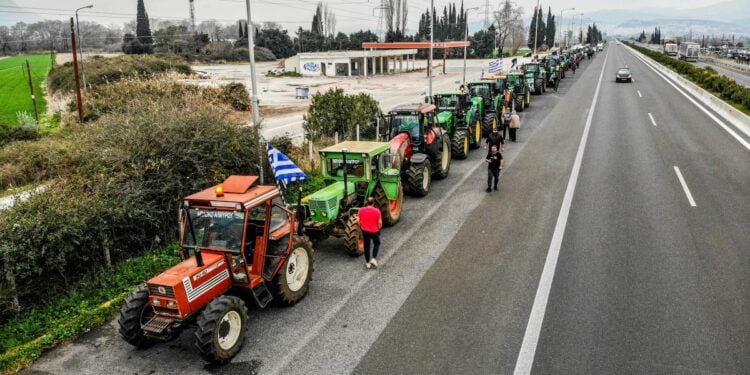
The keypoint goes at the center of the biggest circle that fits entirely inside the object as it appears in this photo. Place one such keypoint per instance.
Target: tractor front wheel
(445, 159)
(136, 312)
(353, 242)
(390, 209)
(477, 136)
(419, 178)
(528, 99)
(293, 281)
(460, 144)
(487, 123)
(221, 329)
(538, 86)
(518, 103)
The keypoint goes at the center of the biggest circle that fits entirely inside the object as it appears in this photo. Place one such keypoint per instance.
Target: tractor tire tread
(207, 325)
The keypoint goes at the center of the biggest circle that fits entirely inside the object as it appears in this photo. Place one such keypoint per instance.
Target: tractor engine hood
(445, 117)
(324, 204)
(185, 288)
(401, 145)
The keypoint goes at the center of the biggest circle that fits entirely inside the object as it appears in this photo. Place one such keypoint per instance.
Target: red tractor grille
(161, 290)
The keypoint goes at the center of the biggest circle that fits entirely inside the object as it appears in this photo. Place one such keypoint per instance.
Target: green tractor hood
(324, 204)
(445, 117)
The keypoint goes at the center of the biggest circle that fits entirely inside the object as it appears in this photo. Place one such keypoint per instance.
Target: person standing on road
(370, 222)
(495, 164)
(495, 139)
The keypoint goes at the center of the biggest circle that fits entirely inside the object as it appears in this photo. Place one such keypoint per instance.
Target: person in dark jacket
(495, 164)
(495, 139)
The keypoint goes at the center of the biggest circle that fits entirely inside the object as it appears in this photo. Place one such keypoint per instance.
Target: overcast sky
(351, 15)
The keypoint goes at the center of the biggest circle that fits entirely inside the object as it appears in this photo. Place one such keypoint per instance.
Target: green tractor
(458, 115)
(423, 147)
(482, 95)
(518, 84)
(552, 70)
(353, 171)
(538, 76)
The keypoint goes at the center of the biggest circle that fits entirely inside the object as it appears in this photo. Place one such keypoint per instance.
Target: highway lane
(469, 311)
(644, 283)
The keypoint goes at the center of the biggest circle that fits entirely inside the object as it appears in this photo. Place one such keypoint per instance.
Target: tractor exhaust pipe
(343, 157)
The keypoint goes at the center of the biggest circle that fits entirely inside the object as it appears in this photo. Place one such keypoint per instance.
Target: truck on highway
(689, 51)
(670, 49)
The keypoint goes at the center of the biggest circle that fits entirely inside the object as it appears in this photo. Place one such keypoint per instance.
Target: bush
(121, 192)
(100, 70)
(335, 111)
(131, 94)
(10, 133)
(26, 162)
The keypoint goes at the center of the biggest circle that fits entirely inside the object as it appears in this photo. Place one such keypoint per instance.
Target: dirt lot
(62, 58)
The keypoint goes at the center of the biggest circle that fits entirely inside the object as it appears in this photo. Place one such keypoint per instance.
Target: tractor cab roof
(234, 192)
(495, 77)
(417, 107)
(358, 147)
(450, 93)
(481, 82)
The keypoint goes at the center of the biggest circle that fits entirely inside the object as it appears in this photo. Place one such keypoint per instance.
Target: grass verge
(14, 86)
(25, 338)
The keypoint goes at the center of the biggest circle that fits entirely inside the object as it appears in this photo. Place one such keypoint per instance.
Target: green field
(14, 86)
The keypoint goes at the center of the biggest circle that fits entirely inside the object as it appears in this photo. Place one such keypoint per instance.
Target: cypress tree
(550, 30)
(142, 27)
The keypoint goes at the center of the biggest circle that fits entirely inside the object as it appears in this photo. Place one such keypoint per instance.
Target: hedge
(725, 88)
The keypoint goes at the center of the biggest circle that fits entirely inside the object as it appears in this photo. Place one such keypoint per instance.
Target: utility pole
(466, 40)
(80, 48)
(192, 16)
(432, 41)
(560, 26)
(79, 100)
(486, 14)
(536, 24)
(31, 88)
(253, 83)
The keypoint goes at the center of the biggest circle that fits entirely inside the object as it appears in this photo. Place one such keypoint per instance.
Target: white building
(351, 63)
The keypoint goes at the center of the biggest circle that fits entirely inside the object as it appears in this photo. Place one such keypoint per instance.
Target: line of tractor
(240, 242)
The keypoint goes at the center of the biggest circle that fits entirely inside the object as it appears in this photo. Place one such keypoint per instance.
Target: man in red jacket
(370, 222)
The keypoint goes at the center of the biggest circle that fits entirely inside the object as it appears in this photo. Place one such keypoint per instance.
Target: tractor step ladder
(157, 324)
(262, 295)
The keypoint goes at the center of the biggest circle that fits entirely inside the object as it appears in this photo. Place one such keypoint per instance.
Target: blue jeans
(375, 239)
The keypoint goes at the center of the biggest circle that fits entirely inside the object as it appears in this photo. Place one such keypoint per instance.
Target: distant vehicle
(670, 49)
(600, 47)
(624, 75)
(689, 51)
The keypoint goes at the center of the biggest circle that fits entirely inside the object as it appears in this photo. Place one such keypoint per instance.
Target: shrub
(100, 71)
(10, 133)
(334, 111)
(25, 162)
(236, 94)
(120, 197)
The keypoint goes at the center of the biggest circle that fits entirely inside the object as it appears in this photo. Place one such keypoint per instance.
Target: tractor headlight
(312, 212)
(324, 214)
(155, 302)
(172, 304)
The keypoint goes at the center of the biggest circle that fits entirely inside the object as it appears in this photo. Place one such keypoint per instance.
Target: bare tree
(404, 13)
(508, 21)
(329, 22)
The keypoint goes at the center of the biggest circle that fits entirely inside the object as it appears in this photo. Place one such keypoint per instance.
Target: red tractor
(243, 243)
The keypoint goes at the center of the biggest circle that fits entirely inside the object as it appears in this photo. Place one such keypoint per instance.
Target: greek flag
(283, 168)
(495, 66)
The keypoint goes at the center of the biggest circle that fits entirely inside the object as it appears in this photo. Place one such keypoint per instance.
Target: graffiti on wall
(311, 67)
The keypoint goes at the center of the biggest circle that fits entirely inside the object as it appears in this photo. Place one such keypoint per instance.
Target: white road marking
(531, 338)
(727, 128)
(684, 186)
(652, 118)
(639, 93)
(311, 333)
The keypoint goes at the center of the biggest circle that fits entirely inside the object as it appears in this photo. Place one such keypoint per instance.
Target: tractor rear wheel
(528, 99)
(136, 312)
(390, 209)
(477, 136)
(518, 101)
(460, 144)
(293, 281)
(419, 178)
(445, 158)
(487, 123)
(353, 242)
(221, 329)
(538, 86)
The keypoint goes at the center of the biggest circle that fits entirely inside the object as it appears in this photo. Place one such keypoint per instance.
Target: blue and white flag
(283, 168)
(495, 66)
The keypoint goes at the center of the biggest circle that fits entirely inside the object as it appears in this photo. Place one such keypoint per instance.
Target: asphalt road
(741, 78)
(644, 282)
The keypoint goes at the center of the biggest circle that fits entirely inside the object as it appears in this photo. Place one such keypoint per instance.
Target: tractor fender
(401, 145)
(418, 158)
